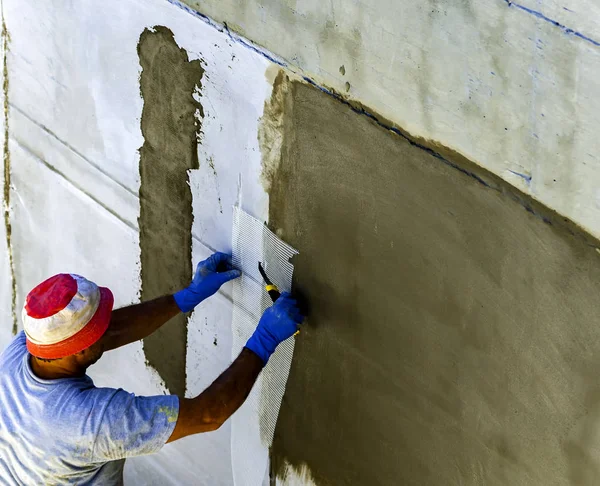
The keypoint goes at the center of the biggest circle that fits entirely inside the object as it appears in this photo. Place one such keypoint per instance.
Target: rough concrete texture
(453, 335)
(170, 127)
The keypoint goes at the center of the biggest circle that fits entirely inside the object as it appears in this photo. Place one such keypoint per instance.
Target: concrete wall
(451, 325)
(453, 333)
(513, 86)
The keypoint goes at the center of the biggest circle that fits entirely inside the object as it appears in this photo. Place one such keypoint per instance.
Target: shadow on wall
(169, 127)
(453, 336)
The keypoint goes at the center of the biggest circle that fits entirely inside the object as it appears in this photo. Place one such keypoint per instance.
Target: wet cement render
(169, 126)
(453, 335)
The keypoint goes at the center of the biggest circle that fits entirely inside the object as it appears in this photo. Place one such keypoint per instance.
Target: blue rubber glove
(210, 275)
(279, 322)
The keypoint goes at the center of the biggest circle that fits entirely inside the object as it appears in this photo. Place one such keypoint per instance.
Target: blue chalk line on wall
(564, 28)
(235, 38)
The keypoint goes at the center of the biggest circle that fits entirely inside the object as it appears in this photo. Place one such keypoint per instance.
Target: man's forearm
(209, 410)
(232, 387)
(135, 322)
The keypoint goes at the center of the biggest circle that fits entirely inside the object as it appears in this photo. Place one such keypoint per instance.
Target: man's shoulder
(14, 350)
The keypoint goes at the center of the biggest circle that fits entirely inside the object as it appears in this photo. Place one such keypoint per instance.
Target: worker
(56, 427)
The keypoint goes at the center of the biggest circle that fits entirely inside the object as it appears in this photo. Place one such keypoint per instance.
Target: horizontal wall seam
(130, 224)
(73, 149)
(80, 189)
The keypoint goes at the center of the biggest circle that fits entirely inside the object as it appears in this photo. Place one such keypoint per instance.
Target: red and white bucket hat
(65, 315)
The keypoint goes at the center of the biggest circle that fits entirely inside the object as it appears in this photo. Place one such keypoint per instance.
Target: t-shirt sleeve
(134, 426)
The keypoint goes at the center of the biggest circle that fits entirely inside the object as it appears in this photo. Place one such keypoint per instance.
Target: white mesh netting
(253, 425)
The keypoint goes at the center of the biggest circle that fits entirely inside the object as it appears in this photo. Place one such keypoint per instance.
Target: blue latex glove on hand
(210, 275)
(279, 322)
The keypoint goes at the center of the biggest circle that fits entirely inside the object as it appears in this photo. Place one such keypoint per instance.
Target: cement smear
(453, 335)
(169, 126)
(7, 176)
(277, 112)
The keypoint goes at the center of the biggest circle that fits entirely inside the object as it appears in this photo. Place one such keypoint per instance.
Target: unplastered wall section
(510, 85)
(75, 116)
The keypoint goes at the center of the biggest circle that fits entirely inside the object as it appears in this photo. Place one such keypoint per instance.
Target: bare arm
(209, 410)
(136, 322)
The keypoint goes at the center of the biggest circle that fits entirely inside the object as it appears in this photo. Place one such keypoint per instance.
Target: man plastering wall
(56, 427)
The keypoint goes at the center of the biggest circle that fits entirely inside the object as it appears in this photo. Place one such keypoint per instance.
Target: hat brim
(84, 338)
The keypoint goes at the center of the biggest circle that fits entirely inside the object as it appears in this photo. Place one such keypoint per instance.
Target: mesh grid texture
(253, 425)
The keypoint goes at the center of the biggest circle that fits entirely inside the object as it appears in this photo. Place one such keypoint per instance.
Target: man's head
(64, 318)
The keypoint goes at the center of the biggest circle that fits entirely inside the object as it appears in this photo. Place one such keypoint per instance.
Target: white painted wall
(504, 86)
(75, 109)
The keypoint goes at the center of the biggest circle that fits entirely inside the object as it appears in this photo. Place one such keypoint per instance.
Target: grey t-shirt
(67, 431)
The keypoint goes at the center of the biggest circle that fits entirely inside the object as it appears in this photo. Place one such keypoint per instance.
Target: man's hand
(279, 322)
(210, 275)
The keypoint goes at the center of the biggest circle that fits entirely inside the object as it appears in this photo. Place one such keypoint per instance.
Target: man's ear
(82, 356)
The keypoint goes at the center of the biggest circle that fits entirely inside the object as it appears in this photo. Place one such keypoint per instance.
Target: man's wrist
(255, 354)
(187, 299)
(259, 346)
